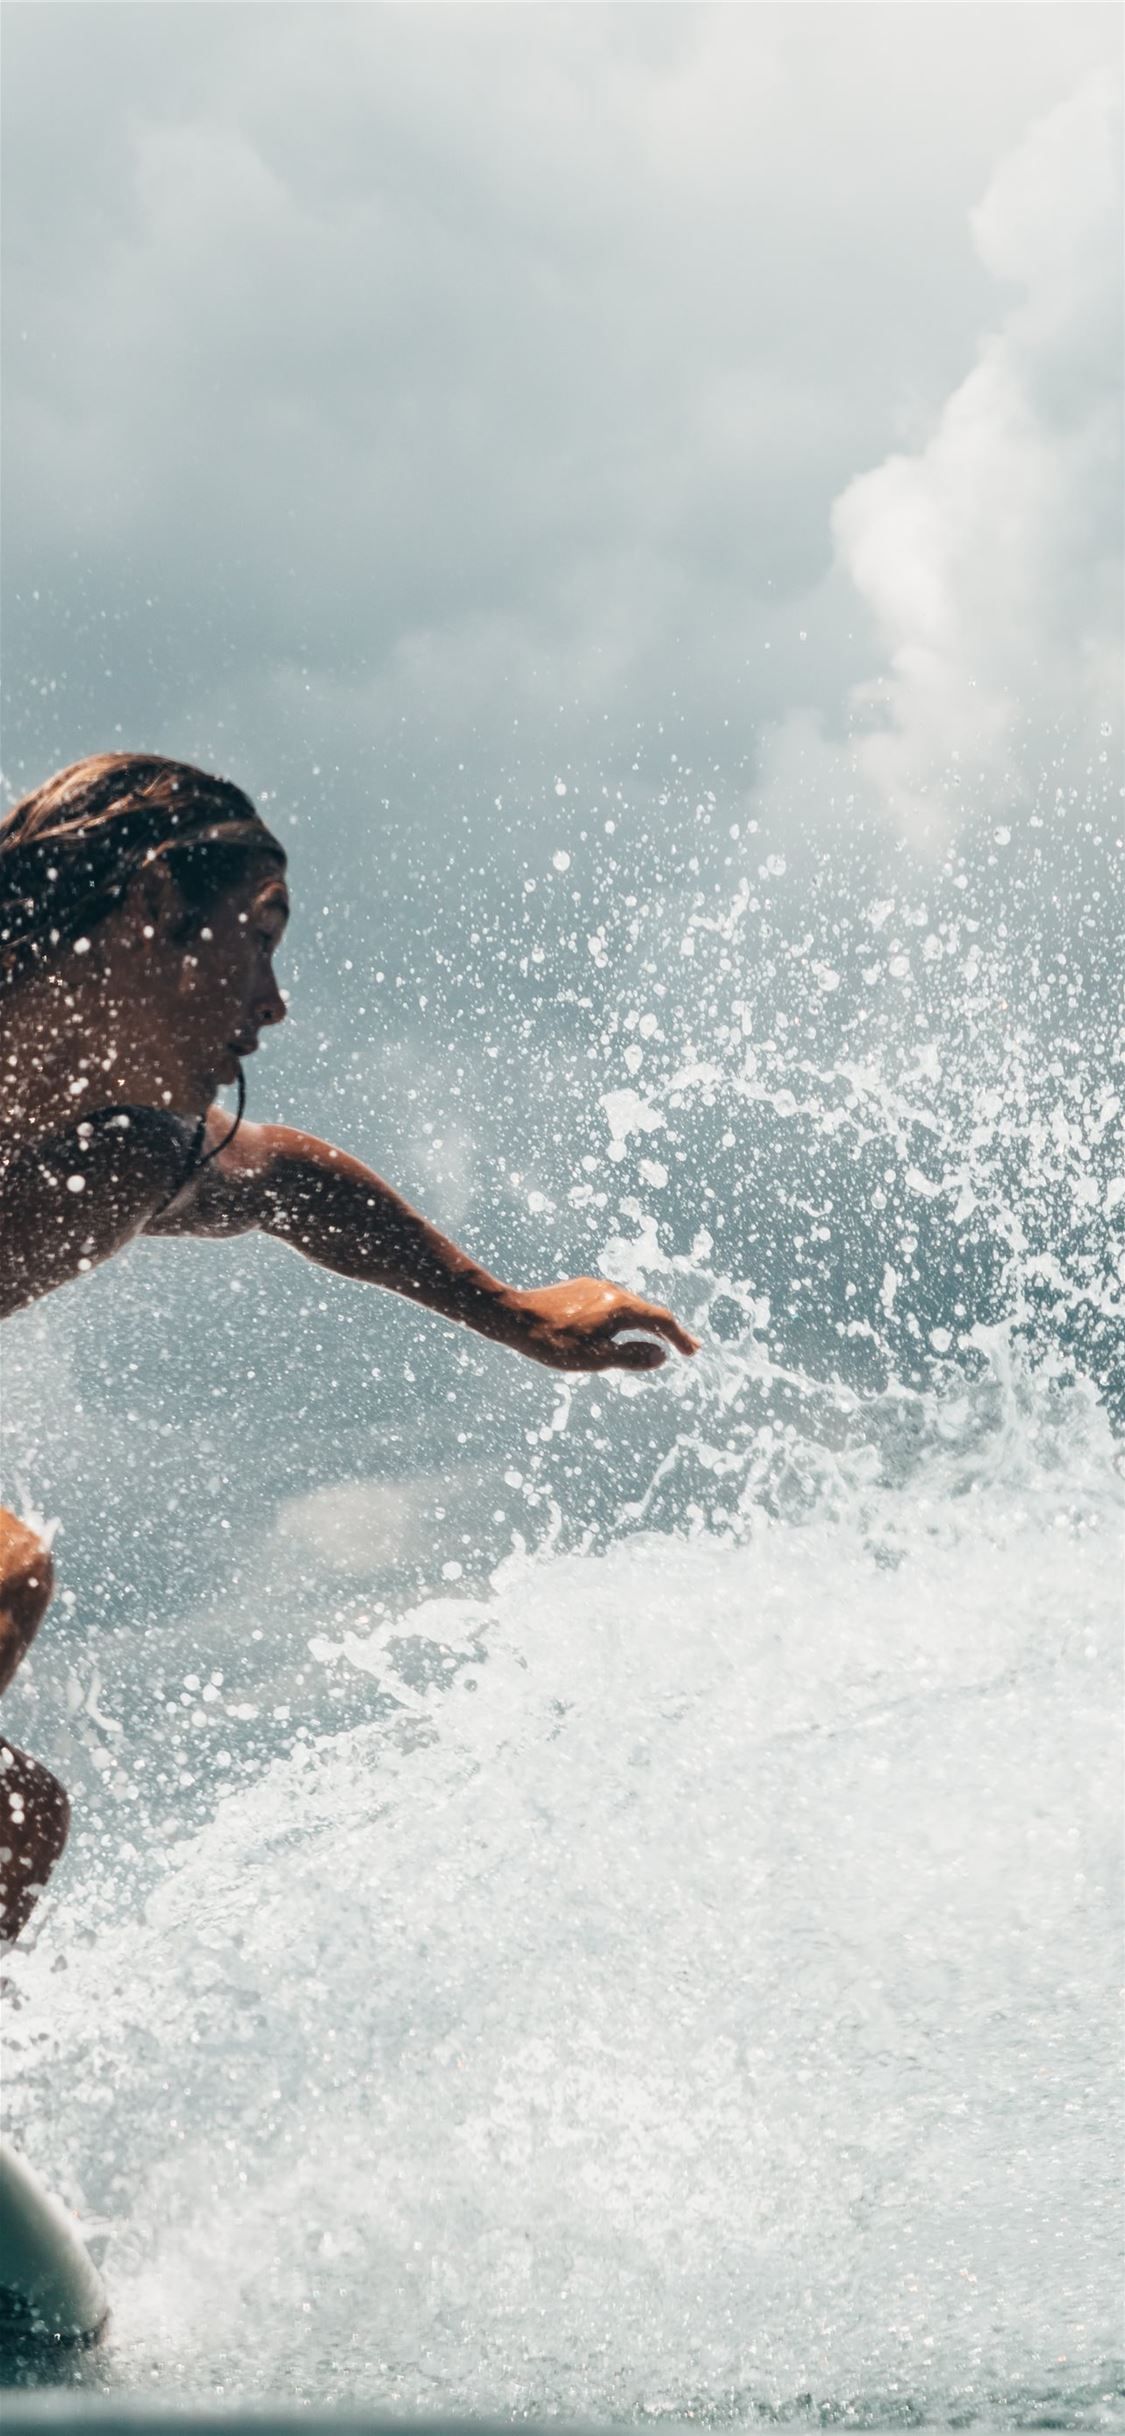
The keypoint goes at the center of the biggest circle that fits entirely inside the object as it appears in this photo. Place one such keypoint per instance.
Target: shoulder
(219, 1190)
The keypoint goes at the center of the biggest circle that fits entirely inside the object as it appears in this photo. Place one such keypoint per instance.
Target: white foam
(703, 1997)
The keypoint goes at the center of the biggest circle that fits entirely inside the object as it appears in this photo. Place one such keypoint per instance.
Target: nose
(269, 1005)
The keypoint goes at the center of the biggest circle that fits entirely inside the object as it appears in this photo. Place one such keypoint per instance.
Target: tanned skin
(108, 1055)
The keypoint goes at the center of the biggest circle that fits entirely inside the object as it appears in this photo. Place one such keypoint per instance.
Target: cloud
(990, 559)
(465, 403)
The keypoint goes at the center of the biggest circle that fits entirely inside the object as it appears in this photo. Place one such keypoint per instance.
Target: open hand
(587, 1324)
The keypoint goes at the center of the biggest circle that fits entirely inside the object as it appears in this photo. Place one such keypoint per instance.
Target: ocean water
(616, 1914)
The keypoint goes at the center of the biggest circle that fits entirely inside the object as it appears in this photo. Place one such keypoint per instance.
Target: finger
(666, 1324)
(661, 1322)
(634, 1354)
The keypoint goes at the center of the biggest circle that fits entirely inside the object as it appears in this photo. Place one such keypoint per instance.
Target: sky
(413, 409)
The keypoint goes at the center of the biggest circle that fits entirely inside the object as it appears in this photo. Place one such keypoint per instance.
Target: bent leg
(34, 1811)
(34, 1818)
(27, 1578)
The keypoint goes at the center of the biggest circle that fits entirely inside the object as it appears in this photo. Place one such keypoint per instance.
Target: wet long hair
(71, 849)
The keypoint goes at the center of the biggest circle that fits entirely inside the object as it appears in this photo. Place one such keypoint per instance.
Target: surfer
(142, 903)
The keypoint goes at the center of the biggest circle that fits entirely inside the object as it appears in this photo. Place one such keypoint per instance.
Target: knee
(27, 1579)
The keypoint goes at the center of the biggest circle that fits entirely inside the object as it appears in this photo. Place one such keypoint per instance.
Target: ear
(153, 905)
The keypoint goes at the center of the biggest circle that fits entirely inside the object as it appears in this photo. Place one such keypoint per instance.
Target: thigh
(22, 1550)
(26, 1582)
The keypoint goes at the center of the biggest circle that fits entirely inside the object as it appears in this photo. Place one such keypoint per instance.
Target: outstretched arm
(338, 1212)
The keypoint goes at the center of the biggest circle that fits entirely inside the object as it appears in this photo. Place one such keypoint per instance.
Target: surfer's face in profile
(217, 991)
(168, 1001)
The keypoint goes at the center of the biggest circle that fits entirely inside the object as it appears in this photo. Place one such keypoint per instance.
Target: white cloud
(364, 382)
(990, 559)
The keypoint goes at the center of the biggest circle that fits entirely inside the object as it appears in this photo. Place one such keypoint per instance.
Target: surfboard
(50, 2290)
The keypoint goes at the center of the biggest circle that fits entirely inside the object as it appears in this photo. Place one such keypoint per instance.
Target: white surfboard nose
(50, 2289)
